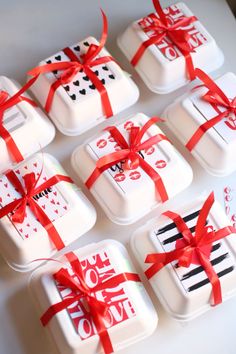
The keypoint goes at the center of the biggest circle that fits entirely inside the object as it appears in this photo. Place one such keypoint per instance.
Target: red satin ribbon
(193, 249)
(130, 154)
(28, 191)
(216, 97)
(97, 308)
(161, 29)
(6, 103)
(71, 68)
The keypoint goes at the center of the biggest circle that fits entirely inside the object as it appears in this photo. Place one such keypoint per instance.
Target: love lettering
(166, 46)
(42, 194)
(98, 269)
(119, 166)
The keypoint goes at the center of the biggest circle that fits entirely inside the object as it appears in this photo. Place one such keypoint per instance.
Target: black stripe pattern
(194, 277)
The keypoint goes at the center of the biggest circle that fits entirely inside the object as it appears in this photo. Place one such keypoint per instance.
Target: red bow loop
(89, 55)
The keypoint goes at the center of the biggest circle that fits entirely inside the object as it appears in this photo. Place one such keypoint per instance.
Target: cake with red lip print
(204, 120)
(124, 191)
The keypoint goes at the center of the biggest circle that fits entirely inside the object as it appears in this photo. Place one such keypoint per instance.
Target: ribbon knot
(162, 28)
(193, 249)
(68, 74)
(80, 290)
(88, 57)
(179, 36)
(27, 192)
(130, 156)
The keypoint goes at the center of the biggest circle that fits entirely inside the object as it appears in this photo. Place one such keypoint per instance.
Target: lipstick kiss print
(119, 177)
(101, 143)
(134, 175)
(160, 164)
(150, 151)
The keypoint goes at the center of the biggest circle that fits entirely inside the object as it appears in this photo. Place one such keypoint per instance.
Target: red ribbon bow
(130, 154)
(18, 206)
(6, 103)
(193, 249)
(216, 97)
(162, 28)
(97, 308)
(71, 68)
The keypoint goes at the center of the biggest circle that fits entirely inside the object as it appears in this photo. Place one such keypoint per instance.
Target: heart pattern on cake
(30, 227)
(81, 85)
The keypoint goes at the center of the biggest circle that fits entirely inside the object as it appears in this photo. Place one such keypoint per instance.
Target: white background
(33, 30)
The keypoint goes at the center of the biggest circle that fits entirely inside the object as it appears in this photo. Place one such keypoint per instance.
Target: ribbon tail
(189, 65)
(160, 11)
(106, 104)
(202, 130)
(9, 208)
(109, 161)
(102, 331)
(51, 182)
(213, 278)
(160, 260)
(159, 184)
(47, 224)
(153, 40)
(202, 218)
(54, 309)
(51, 93)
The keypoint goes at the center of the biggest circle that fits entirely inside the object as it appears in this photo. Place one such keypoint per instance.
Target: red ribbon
(162, 28)
(97, 308)
(193, 249)
(6, 103)
(216, 97)
(28, 191)
(71, 68)
(130, 154)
